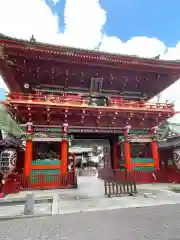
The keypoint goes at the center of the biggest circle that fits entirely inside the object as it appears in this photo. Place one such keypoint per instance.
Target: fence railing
(117, 182)
(119, 187)
(12, 185)
(137, 176)
(78, 100)
(40, 180)
(18, 181)
(149, 177)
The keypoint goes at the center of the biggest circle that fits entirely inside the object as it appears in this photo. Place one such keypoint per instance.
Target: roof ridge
(90, 51)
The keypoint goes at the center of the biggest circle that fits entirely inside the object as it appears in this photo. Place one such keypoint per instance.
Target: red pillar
(155, 153)
(28, 151)
(127, 152)
(64, 149)
(64, 156)
(127, 155)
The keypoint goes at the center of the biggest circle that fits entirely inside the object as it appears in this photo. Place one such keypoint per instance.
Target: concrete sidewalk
(88, 197)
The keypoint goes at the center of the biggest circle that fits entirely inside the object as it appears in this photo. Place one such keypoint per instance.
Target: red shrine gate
(77, 91)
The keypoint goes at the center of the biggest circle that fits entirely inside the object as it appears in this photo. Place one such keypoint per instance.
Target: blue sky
(2, 94)
(152, 18)
(129, 18)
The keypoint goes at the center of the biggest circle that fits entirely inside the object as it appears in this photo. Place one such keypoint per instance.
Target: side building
(169, 150)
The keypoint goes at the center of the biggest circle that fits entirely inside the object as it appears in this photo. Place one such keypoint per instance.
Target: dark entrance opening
(94, 141)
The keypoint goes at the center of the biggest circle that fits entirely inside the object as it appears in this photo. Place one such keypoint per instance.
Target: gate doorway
(90, 155)
(89, 149)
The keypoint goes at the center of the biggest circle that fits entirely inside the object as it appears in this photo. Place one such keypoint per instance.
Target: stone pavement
(87, 186)
(18, 210)
(150, 223)
(89, 197)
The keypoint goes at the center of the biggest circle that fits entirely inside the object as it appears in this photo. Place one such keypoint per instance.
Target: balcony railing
(78, 101)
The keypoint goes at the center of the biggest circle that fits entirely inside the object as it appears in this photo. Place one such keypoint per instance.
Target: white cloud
(84, 21)
(55, 1)
(22, 18)
(141, 46)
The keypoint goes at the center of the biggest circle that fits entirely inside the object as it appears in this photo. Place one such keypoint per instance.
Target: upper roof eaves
(58, 48)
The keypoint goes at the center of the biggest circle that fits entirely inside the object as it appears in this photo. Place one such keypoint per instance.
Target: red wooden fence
(18, 181)
(138, 176)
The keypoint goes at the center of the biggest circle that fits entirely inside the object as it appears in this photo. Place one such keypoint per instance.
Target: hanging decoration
(126, 131)
(65, 131)
(8, 159)
(153, 132)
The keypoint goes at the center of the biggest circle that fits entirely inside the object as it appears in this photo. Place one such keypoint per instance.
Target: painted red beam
(40, 167)
(79, 103)
(77, 98)
(59, 68)
(64, 110)
(123, 59)
(97, 109)
(78, 61)
(69, 57)
(91, 121)
(40, 115)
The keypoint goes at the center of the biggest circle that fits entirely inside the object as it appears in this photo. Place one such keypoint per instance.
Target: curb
(6, 218)
(17, 200)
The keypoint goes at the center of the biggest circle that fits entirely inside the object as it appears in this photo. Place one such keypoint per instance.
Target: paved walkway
(90, 197)
(152, 223)
(87, 186)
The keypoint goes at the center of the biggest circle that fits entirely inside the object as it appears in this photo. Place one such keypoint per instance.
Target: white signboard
(140, 140)
(44, 139)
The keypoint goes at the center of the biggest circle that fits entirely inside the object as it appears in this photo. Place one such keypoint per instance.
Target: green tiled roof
(174, 127)
(7, 124)
(168, 130)
(170, 133)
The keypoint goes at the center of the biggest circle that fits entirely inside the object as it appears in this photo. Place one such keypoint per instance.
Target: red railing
(173, 175)
(41, 180)
(18, 181)
(137, 176)
(82, 101)
(12, 185)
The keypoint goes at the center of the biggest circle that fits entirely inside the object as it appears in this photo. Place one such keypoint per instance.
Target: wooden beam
(113, 108)
(41, 167)
(99, 56)
(70, 59)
